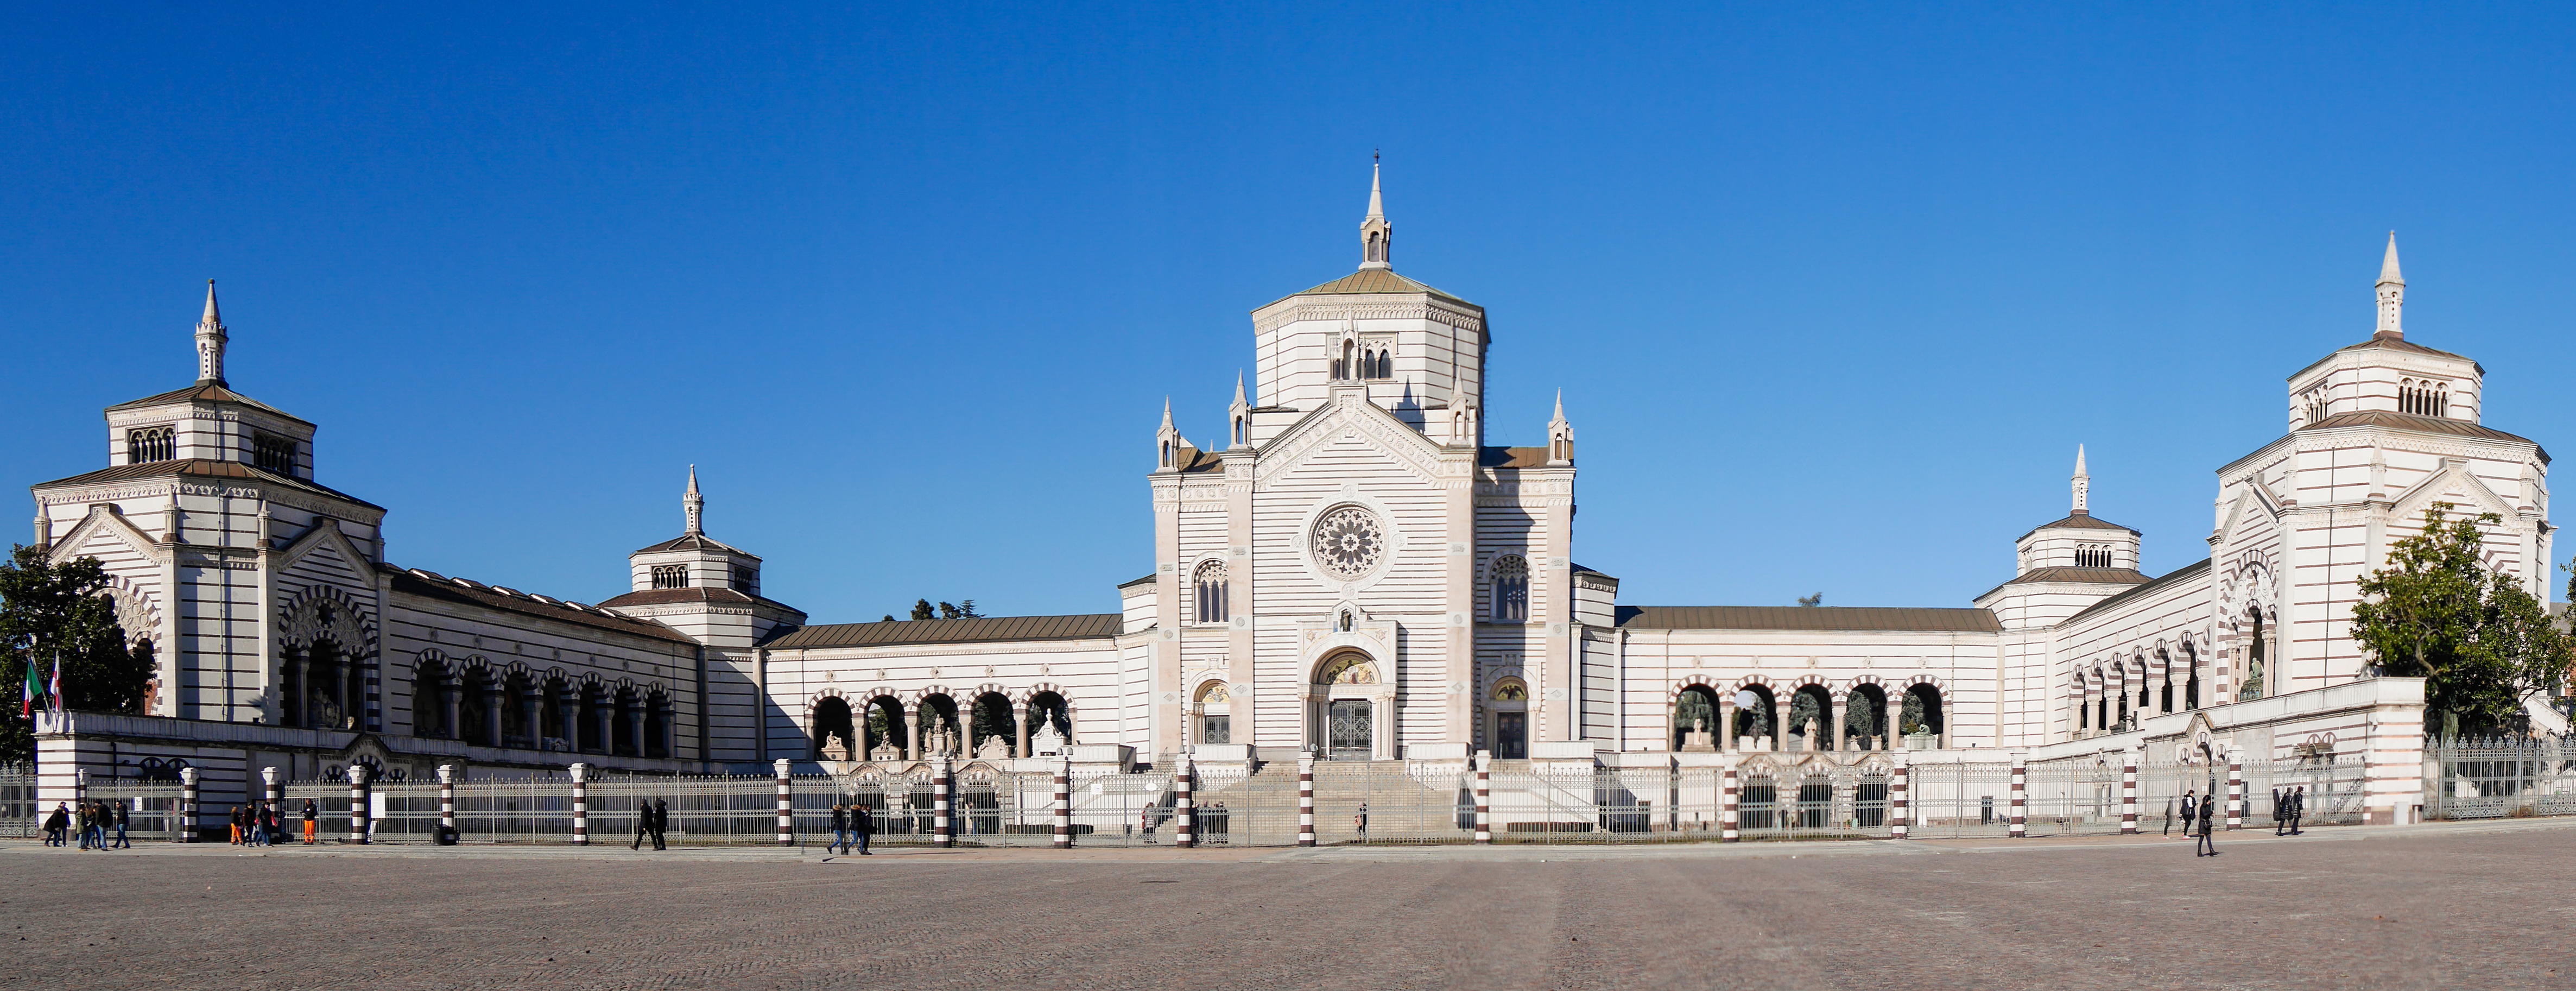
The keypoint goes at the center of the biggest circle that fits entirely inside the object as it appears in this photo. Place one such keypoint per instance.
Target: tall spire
(1239, 417)
(2392, 294)
(2082, 483)
(694, 505)
(1560, 435)
(210, 341)
(1376, 235)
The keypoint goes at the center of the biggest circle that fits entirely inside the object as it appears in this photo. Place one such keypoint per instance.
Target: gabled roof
(982, 630)
(672, 596)
(2079, 520)
(209, 392)
(1511, 457)
(2421, 424)
(2168, 580)
(431, 585)
(1834, 618)
(203, 468)
(1373, 280)
(2390, 342)
(2097, 576)
(697, 542)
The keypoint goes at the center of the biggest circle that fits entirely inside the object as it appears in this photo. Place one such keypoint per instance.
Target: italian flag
(27, 709)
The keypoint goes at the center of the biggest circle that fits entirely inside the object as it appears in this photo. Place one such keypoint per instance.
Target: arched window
(670, 576)
(1511, 589)
(1211, 586)
(150, 444)
(2442, 401)
(1216, 714)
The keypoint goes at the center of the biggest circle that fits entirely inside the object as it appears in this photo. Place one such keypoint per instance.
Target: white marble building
(1352, 572)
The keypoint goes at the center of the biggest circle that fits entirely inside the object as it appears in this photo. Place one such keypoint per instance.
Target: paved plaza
(2480, 906)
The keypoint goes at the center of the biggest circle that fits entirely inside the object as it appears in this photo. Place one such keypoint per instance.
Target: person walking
(643, 824)
(661, 822)
(2205, 843)
(85, 820)
(58, 826)
(2280, 812)
(2298, 808)
(1359, 822)
(2190, 807)
(311, 812)
(121, 812)
(840, 828)
(861, 824)
(272, 822)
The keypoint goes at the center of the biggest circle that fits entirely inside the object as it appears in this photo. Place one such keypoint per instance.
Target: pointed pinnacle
(2079, 459)
(211, 317)
(1377, 207)
(1560, 404)
(2388, 265)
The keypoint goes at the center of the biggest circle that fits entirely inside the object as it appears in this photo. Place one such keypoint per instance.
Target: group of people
(259, 824)
(651, 818)
(94, 820)
(852, 822)
(2288, 805)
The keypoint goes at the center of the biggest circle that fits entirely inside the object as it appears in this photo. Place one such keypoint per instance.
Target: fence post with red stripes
(786, 803)
(580, 804)
(1306, 800)
(2015, 826)
(1896, 800)
(2235, 788)
(1064, 802)
(187, 805)
(357, 803)
(1729, 813)
(2129, 792)
(940, 832)
(1484, 796)
(1183, 811)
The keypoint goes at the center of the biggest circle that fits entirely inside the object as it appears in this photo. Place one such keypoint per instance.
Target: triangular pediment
(101, 525)
(324, 538)
(1351, 417)
(2454, 484)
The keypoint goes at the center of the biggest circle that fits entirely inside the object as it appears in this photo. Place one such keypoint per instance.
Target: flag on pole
(27, 708)
(56, 690)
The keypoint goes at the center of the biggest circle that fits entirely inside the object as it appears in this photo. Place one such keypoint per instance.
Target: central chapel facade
(1352, 572)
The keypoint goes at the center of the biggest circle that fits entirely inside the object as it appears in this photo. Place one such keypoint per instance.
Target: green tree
(51, 612)
(921, 609)
(2480, 642)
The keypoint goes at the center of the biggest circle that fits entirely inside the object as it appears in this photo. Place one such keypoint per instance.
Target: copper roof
(2169, 579)
(431, 585)
(1192, 459)
(2105, 576)
(1511, 457)
(203, 468)
(671, 596)
(1835, 618)
(2423, 424)
(2390, 342)
(982, 630)
(2080, 520)
(1375, 280)
(697, 542)
(212, 392)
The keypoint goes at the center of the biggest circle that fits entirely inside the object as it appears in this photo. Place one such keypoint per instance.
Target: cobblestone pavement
(2426, 907)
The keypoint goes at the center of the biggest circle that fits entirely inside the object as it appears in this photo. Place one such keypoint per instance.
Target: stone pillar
(1306, 800)
(1728, 812)
(1779, 723)
(2129, 792)
(532, 714)
(187, 805)
(491, 695)
(606, 711)
(1183, 812)
(635, 726)
(1897, 811)
(1726, 723)
(912, 731)
(275, 792)
(941, 834)
(1019, 729)
(580, 804)
(357, 803)
(2235, 788)
(2014, 827)
(670, 730)
(298, 698)
(454, 699)
(447, 796)
(80, 792)
(1831, 723)
(568, 709)
(346, 673)
(786, 804)
(1484, 796)
(1064, 802)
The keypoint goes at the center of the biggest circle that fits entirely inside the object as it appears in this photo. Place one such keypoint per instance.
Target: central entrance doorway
(1511, 736)
(1347, 726)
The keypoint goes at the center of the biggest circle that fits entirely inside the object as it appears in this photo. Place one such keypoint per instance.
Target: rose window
(1349, 541)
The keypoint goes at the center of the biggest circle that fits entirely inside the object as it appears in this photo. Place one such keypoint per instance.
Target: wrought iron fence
(2499, 777)
(18, 816)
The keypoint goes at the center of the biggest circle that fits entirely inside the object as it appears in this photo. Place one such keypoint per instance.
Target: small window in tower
(670, 576)
(150, 444)
(1210, 584)
(1511, 589)
(273, 454)
(746, 579)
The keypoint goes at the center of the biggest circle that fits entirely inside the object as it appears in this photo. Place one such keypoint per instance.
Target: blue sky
(1832, 292)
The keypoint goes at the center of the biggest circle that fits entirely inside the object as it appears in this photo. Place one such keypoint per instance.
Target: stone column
(568, 708)
(606, 710)
(2015, 827)
(580, 804)
(187, 817)
(786, 804)
(941, 835)
(1726, 724)
(1306, 800)
(453, 698)
(1896, 801)
(298, 697)
(532, 714)
(1019, 729)
(447, 797)
(1484, 796)
(1779, 723)
(1831, 723)
(912, 731)
(357, 803)
(1183, 811)
(634, 726)
(1727, 809)
(670, 730)
(2235, 788)
(346, 672)
(491, 695)
(1064, 802)
(2129, 792)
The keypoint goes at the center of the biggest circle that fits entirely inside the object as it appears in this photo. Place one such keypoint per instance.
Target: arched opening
(430, 684)
(629, 724)
(940, 734)
(2164, 681)
(598, 719)
(1865, 718)
(659, 726)
(1815, 800)
(1511, 577)
(1050, 724)
(1754, 709)
(2191, 686)
(835, 735)
(1347, 684)
(885, 731)
(1695, 726)
(990, 723)
(1758, 802)
(1210, 584)
(477, 710)
(1213, 713)
(1922, 721)
(1811, 718)
(1510, 701)
(2255, 657)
